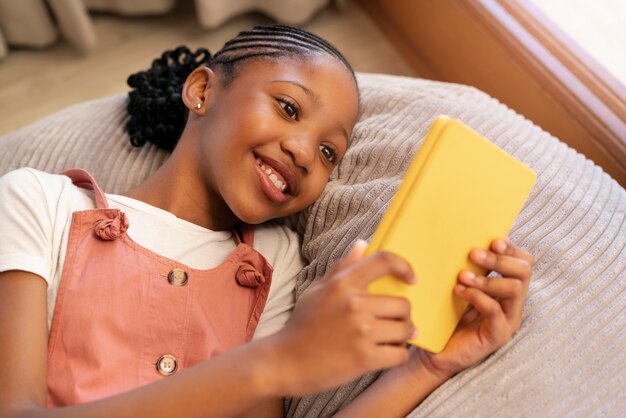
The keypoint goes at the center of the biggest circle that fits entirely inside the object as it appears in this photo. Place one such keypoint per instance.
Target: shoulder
(281, 247)
(31, 221)
(272, 237)
(40, 191)
(22, 176)
(30, 179)
(27, 184)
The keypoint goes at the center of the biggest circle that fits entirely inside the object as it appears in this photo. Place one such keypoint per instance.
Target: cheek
(255, 118)
(315, 189)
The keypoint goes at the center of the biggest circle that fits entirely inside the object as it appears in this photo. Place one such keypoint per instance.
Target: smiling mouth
(276, 179)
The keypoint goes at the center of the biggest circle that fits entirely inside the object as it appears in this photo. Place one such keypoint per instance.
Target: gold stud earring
(197, 106)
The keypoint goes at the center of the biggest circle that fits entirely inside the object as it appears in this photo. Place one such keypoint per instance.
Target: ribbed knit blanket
(568, 358)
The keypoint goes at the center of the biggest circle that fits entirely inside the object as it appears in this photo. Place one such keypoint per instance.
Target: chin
(257, 214)
(253, 217)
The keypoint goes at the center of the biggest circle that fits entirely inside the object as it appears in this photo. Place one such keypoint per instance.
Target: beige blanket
(568, 359)
(569, 356)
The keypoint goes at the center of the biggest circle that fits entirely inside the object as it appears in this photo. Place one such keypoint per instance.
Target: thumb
(355, 254)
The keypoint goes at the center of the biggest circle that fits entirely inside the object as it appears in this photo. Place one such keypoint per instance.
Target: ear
(198, 88)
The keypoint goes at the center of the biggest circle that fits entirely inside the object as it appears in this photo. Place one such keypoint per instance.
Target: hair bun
(157, 113)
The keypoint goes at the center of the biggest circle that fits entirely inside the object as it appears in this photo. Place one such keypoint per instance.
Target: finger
(502, 246)
(495, 326)
(488, 307)
(355, 254)
(504, 264)
(499, 288)
(377, 265)
(389, 307)
(510, 292)
(388, 331)
(388, 356)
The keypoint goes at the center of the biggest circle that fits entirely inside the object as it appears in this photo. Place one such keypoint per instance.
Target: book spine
(411, 176)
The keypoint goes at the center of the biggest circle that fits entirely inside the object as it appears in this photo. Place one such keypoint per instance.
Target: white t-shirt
(35, 218)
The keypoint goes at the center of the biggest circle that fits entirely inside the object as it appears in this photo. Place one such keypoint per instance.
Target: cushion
(88, 135)
(566, 359)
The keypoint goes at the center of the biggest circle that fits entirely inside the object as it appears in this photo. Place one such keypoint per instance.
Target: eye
(329, 153)
(290, 108)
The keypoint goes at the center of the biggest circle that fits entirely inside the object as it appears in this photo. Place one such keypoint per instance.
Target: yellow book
(460, 192)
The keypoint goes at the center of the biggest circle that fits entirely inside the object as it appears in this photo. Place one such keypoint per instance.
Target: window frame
(585, 88)
(544, 74)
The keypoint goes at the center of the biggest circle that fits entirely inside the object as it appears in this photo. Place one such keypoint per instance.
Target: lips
(277, 178)
(274, 176)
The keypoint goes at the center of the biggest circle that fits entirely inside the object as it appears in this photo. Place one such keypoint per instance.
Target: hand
(495, 311)
(338, 331)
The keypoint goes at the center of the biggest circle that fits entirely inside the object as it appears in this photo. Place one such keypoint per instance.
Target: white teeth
(272, 176)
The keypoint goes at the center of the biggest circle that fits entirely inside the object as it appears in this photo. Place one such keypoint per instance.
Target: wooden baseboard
(509, 50)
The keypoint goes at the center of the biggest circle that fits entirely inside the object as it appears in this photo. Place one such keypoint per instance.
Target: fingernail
(501, 246)
(414, 334)
(470, 276)
(413, 279)
(461, 287)
(360, 244)
(481, 255)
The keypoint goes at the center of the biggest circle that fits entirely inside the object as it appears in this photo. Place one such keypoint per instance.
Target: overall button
(167, 365)
(178, 277)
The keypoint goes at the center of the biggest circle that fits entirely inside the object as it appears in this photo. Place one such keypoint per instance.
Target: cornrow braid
(157, 112)
(276, 40)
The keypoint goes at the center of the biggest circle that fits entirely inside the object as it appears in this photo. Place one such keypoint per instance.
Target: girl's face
(268, 141)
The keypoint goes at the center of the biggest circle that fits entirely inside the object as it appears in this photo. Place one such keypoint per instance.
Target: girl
(153, 294)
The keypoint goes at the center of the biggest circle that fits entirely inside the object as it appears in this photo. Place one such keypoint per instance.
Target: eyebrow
(345, 135)
(308, 91)
(315, 100)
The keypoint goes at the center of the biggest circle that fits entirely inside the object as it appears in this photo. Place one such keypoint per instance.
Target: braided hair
(157, 113)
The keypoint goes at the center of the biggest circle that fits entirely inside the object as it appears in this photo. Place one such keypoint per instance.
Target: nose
(301, 150)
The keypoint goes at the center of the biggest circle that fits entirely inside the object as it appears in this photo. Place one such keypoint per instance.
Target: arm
(495, 314)
(337, 327)
(269, 409)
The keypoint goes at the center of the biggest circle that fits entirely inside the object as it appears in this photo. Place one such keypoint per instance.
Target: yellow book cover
(460, 192)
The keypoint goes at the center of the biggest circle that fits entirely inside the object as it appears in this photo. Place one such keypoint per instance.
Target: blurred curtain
(39, 23)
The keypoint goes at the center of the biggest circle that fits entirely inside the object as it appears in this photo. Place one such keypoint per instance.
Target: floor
(36, 83)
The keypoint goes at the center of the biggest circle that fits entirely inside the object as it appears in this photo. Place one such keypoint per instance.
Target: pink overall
(125, 316)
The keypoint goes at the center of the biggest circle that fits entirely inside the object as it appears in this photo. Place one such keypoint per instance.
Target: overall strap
(244, 234)
(81, 178)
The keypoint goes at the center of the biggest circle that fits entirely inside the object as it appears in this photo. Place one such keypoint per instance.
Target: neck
(177, 187)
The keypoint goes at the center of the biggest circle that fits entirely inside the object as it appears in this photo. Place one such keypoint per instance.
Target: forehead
(318, 72)
(327, 82)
